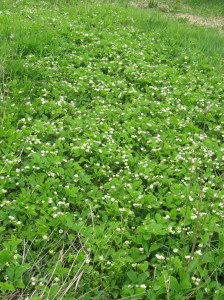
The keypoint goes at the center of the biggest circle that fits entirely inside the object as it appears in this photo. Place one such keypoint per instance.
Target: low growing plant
(112, 160)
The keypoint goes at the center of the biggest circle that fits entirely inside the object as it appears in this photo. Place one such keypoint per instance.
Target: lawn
(111, 146)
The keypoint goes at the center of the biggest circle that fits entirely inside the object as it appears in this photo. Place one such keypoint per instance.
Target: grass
(205, 8)
(208, 41)
(111, 177)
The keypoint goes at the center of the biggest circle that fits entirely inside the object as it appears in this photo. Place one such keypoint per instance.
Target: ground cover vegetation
(189, 24)
(203, 13)
(207, 8)
(111, 166)
(214, 8)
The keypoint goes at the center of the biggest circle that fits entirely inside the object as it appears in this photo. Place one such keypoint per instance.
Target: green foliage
(213, 8)
(204, 8)
(111, 181)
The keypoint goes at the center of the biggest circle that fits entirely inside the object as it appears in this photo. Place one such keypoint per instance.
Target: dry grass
(201, 21)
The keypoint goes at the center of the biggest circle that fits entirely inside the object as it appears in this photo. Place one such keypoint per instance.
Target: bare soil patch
(207, 22)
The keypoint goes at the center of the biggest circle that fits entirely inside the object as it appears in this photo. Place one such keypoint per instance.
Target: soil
(207, 22)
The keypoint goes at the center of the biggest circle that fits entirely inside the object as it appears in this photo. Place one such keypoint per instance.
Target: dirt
(206, 22)
(141, 4)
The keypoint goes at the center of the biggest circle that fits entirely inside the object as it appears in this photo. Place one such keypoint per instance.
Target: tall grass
(212, 8)
(209, 42)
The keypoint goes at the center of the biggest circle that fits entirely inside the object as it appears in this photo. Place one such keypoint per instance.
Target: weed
(111, 172)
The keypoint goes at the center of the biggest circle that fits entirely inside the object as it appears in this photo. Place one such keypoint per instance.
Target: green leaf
(174, 285)
(156, 228)
(19, 284)
(10, 273)
(5, 286)
(133, 276)
(142, 277)
(139, 293)
(144, 266)
(185, 281)
(20, 270)
(193, 265)
(154, 247)
(4, 258)
(14, 273)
